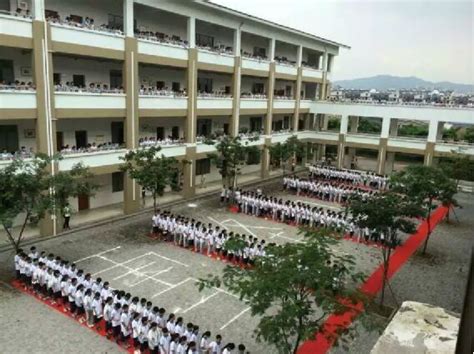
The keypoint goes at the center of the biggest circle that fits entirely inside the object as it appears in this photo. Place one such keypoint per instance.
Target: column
(434, 130)
(189, 181)
(323, 85)
(353, 124)
(236, 84)
(389, 163)
(270, 92)
(272, 48)
(265, 166)
(352, 129)
(43, 77)
(299, 80)
(382, 156)
(131, 202)
(128, 18)
(191, 78)
(191, 32)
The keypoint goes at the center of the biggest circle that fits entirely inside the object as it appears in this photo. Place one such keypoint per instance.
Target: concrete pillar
(353, 124)
(429, 153)
(389, 162)
(191, 76)
(299, 55)
(131, 202)
(272, 48)
(37, 10)
(191, 32)
(265, 165)
(323, 91)
(393, 131)
(236, 84)
(128, 18)
(383, 142)
(189, 180)
(296, 112)
(271, 87)
(385, 133)
(344, 124)
(237, 41)
(341, 150)
(433, 129)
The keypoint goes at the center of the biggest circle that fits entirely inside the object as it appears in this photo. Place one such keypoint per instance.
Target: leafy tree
(469, 135)
(450, 134)
(458, 167)
(368, 125)
(416, 130)
(425, 185)
(293, 287)
(388, 214)
(231, 156)
(282, 153)
(28, 191)
(151, 170)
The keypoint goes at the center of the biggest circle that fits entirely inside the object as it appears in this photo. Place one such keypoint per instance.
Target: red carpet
(325, 339)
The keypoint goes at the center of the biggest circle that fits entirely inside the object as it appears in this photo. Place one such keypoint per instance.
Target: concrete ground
(122, 254)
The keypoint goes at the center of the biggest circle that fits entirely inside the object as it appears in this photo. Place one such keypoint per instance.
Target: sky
(429, 39)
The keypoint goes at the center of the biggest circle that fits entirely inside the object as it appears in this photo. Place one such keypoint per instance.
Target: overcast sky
(430, 39)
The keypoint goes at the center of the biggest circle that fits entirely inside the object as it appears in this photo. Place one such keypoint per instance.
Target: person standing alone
(66, 216)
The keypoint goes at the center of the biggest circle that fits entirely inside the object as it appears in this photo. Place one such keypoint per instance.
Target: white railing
(13, 24)
(87, 100)
(17, 99)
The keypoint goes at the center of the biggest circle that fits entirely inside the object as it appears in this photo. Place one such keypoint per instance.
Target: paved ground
(166, 274)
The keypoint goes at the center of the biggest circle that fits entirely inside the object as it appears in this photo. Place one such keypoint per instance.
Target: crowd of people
(214, 94)
(161, 38)
(220, 48)
(17, 85)
(207, 238)
(257, 96)
(368, 179)
(128, 319)
(93, 87)
(166, 92)
(23, 153)
(83, 22)
(91, 147)
(152, 141)
(334, 191)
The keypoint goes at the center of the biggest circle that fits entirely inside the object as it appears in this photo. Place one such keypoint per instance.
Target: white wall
(98, 130)
(97, 10)
(247, 82)
(95, 71)
(148, 126)
(21, 126)
(249, 41)
(244, 121)
(104, 195)
(150, 19)
(21, 59)
(222, 35)
(219, 81)
(149, 75)
(285, 50)
(281, 84)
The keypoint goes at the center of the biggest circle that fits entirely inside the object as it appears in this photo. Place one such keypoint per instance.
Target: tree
(425, 185)
(231, 156)
(458, 167)
(387, 214)
(281, 153)
(469, 135)
(293, 287)
(151, 170)
(28, 191)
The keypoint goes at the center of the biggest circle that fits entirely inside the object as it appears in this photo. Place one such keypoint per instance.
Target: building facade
(92, 79)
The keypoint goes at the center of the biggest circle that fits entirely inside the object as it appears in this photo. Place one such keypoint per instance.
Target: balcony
(11, 25)
(13, 99)
(253, 103)
(168, 50)
(64, 33)
(404, 143)
(327, 136)
(214, 58)
(87, 100)
(214, 103)
(287, 104)
(286, 69)
(363, 139)
(450, 147)
(312, 73)
(162, 102)
(255, 64)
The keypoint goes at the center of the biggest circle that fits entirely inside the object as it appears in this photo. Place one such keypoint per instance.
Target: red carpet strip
(325, 339)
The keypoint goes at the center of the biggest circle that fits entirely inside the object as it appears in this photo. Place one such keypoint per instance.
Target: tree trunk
(386, 265)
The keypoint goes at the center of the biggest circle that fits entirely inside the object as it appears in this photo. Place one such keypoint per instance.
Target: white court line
(118, 264)
(218, 222)
(172, 287)
(136, 269)
(266, 228)
(275, 235)
(169, 259)
(97, 254)
(220, 290)
(153, 275)
(200, 302)
(238, 224)
(234, 318)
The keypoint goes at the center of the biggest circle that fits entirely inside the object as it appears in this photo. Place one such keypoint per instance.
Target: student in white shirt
(228, 349)
(204, 344)
(108, 307)
(97, 308)
(215, 345)
(88, 308)
(164, 343)
(125, 326)
(115, 320)
(136, 329)
(153, 337)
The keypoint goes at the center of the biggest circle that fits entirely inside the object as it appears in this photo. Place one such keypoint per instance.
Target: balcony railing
(395, 103)
(18, 99)
(16, 24)
(89, 100)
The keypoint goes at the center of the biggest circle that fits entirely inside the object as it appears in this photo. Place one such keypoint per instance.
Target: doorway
(255, 124)
(82, 202)
(59, 141)
(81, 139)
(204, 127)
(160, 133)
(117, 132)
(8, 138)
(6, 71)
(175, 133)
(79, 80)
(116, 79)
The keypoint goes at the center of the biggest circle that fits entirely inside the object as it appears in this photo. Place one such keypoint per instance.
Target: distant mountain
(384, 82)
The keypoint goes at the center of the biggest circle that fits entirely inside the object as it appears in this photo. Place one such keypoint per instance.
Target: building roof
(272, 24)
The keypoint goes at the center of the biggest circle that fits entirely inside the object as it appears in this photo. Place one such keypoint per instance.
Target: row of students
(127, 319)
(335, 192)
(368, 179)
(207, 238)
(299, 213)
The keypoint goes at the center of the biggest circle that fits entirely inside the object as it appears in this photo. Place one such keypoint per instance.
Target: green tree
(28, 191)
(151, 170)
(425, 185)
(387, 214)
(293, 287)
(469, 135)
(458, 167)
(230, 156)
(282, 153)
(369, 125)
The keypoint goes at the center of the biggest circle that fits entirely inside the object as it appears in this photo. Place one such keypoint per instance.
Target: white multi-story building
(95, 78)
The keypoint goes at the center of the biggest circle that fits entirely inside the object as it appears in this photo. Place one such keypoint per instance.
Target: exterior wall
(249, 41)
(86, 8)
(149, 75)
(222, 35)
(219, 81)
(148, 126)
(248, 81)
(95, 71)
(23, 125)
(98, 131)
(149, 19)
(285, 50)
(21, 59)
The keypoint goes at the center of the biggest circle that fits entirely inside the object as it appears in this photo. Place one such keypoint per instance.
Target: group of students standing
(128, 320)
(207, 238)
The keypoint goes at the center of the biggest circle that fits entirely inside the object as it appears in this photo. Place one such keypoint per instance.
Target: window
(259, 52)
(117, 182)
(176, 86)
(313, 60)
(203, 167)
(51, 14)
(116, 78)
(204, 40)
(57, 78)
(286, 122)
(79, 80)
(258, 88)
(205, 85)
